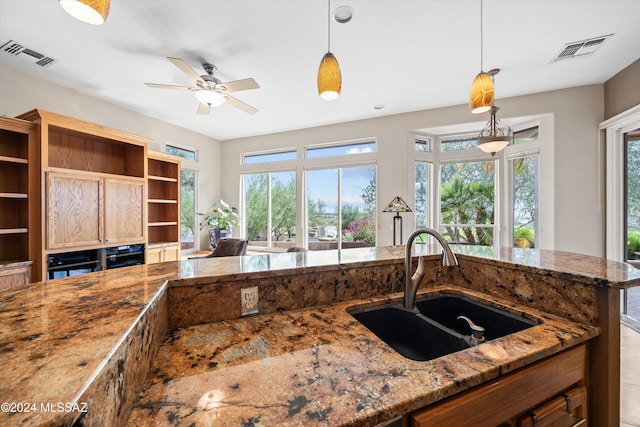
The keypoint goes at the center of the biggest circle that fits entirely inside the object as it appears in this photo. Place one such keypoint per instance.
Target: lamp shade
(493, 145)
(210, 97)
(92, 12)
(481, 95)
(329, 78)
(397, 205)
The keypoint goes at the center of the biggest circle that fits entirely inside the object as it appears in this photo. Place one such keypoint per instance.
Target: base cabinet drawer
(567, 410)
(509, 399)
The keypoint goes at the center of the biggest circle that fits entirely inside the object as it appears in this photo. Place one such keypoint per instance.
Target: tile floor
(629, 377)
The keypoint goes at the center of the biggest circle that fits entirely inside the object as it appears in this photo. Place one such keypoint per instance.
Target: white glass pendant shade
(329, 78)
(92, 12)
(481, 94)
(210, 97)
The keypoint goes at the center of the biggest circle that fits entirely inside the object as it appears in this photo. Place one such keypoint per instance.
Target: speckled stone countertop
(74, 341)
(320, 367)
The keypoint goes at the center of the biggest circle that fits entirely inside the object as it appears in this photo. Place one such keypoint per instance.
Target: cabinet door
(171, 253)
(154, 254)
(74, 210)
(124, 211)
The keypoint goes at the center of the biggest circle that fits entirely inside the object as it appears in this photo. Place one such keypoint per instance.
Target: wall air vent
(14, 48)
(581, 48)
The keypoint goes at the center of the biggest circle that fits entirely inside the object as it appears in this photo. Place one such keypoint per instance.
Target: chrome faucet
(411, 282)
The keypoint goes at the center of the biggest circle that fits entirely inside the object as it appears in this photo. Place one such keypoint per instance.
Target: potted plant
(220, 219)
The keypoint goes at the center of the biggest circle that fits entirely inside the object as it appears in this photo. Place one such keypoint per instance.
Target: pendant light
(90, 11)
(481, 95)
(494, 137)
(329, 77)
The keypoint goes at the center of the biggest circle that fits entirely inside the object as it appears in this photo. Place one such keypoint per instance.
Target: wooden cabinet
(163, 208)
(510, 399)
(567, 410)
(88, 210)
(162, 252)
(96, 188)
(15, 274)
(19, 171)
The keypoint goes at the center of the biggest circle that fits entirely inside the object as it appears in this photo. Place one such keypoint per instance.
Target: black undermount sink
(435, 331)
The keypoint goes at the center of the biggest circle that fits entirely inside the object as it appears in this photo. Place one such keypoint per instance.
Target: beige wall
(622, 91)
(574, 211)
(20, 93)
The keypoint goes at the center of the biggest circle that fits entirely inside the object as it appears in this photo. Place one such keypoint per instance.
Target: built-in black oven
(73, 263)
(67, 264)
(124, 256)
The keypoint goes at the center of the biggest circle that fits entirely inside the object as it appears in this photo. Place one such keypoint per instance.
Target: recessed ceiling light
(343, 14)
(378, 106)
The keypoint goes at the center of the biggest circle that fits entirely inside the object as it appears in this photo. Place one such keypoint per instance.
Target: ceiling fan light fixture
(329, 78)
(210, 97)
(494, 137)
(92, 12)
(482, 93)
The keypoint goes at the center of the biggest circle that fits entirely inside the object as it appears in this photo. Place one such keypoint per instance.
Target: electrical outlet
(249, 300)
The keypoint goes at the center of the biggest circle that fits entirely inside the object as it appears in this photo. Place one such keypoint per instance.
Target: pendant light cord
(481, 40)
(329, 25)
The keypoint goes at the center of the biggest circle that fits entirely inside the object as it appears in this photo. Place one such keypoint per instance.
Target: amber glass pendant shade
(481, 95)
(329, 78)
(90, 11)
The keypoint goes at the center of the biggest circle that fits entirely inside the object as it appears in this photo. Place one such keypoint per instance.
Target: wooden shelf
(162, 224)
(14, 230)
(168, 201)
(162, 178)
(14, 195)
(14, 160)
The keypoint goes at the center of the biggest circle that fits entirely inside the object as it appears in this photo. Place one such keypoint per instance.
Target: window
(252, 159)
(341, 207)
(422, 194)
(467, 202)
(270, 208)
(525, 135)
(181, 152)
(526, 200)
(188, 224)
(458, 144)
(341, 149)
(423, 144)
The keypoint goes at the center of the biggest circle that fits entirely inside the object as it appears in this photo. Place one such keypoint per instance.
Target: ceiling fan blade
(186, 69)
(161, 86)
(203, 108)
(239, 104)
(238, 85)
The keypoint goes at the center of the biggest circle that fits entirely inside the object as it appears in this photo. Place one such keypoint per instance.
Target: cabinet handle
(579, 423)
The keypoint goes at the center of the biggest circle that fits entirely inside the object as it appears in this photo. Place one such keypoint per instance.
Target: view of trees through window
(270, 208)
(188, 226)
(526, 198)
(467, 202)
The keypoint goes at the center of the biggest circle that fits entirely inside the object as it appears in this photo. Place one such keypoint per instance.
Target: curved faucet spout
(413, 281)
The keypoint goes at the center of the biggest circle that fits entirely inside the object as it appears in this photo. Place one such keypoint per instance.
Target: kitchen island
(166, 342)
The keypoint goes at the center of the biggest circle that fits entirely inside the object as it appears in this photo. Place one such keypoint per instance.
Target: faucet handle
(477, 331)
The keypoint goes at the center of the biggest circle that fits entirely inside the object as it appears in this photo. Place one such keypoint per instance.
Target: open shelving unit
(17, 159)
(163, 207)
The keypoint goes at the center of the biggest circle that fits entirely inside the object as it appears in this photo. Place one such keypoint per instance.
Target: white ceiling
(406, 54)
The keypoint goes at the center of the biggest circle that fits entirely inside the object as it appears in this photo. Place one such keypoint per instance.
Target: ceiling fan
(210, 90)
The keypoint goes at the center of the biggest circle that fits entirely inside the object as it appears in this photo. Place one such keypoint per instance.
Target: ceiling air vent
(581, 48)
(14, 48)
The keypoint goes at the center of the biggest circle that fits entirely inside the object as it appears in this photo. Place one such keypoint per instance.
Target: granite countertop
(59, 339)
(319, 366)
